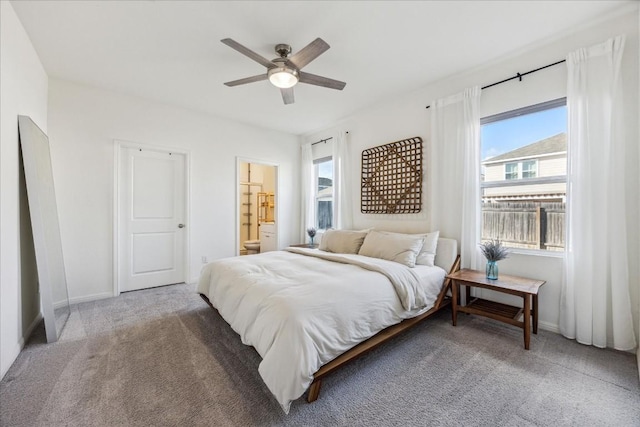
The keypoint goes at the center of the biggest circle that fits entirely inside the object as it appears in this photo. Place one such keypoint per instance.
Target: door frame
(276, 215)
(118, 146)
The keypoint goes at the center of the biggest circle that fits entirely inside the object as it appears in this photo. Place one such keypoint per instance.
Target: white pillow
(342, 241)
(401, 248)
(427, 254)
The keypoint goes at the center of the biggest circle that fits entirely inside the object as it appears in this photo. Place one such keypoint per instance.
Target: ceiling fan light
(283, 77)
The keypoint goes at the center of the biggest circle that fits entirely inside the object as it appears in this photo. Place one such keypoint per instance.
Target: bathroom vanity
(268, 240)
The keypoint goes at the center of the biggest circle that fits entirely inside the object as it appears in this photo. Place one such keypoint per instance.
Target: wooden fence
(325, 214)
(532, 225)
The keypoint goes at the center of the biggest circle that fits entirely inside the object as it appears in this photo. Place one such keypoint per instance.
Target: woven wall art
(392, 178)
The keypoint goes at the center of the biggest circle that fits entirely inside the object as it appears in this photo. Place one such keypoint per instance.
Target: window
(528, 168)
(523, 182)
(511, 171)
(323, 177)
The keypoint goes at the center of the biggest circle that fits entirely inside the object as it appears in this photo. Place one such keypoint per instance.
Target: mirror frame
(45, 226)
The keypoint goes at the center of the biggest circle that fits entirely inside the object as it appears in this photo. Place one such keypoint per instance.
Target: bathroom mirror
(52, 282)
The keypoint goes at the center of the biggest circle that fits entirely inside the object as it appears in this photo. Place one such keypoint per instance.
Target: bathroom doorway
(256, 207)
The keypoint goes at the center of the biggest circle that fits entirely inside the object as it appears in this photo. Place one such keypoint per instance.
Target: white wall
(83, 123)
(23, 84)
(638, 213)
(406, 116)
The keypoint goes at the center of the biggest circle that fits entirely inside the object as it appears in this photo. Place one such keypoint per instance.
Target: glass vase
(492, 270)
(311, 237)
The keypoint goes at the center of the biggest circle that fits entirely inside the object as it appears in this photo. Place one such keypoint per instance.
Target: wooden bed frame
(381, 337)
(385, 335)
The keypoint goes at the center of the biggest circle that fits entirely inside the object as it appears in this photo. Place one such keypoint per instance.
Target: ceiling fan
(284, 72)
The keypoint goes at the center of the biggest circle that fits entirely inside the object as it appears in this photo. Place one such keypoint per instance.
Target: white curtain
(342, 200)
(455, 171)
(307, 191)
(595, 298)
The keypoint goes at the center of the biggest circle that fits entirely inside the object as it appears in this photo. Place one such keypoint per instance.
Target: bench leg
(527, 321)
(535, 313)
(314, 391)
(455, 295)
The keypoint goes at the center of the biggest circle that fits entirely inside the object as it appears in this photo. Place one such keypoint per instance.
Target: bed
(308, 311)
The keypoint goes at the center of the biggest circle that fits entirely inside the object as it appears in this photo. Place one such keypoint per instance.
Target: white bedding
(300, 311)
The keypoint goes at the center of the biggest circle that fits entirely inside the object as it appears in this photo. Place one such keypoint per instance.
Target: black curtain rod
(518, 76)
(322, 140)
(325, 140)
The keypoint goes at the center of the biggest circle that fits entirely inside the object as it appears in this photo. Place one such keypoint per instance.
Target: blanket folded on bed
(404, 280)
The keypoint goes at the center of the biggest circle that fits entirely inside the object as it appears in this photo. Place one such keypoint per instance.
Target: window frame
(520, 170)
(509, 174)
(316, 177)
(535, 169)
(535, 108)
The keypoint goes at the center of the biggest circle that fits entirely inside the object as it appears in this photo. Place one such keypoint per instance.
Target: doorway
(151, 211)
(256, 207)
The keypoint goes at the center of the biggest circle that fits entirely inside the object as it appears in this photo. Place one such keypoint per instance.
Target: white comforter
(300, 311)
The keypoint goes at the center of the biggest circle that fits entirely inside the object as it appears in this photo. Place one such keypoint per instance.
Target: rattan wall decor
(392, 178)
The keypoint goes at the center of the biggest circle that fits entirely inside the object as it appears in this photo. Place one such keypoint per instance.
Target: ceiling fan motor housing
(283, 50)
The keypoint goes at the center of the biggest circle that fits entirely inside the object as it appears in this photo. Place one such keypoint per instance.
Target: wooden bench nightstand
(514, 285)
(305, 245)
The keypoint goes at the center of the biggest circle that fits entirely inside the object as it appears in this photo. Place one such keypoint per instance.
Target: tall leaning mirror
(52, 282)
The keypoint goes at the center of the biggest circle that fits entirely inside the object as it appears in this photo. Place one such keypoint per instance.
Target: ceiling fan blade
(312, 79)
(248, 52)
(287, 95)
(246, 80)
(308, 53)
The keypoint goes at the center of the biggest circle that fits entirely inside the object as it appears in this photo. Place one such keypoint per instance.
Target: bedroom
(83, 119)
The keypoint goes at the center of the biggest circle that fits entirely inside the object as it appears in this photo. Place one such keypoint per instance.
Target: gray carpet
(163, 357)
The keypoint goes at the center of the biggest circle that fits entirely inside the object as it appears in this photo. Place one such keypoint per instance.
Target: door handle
(180, 225)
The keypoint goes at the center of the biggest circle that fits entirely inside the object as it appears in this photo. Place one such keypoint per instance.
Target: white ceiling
(170, 51)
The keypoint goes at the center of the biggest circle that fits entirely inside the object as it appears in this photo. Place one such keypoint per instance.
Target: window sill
(537, 253)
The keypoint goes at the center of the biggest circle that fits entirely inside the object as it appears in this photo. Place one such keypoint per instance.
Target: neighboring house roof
(325, 186)
(325, 193)
(553, 144)
(325, 182)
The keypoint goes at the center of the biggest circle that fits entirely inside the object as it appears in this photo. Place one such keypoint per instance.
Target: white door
(152, 218)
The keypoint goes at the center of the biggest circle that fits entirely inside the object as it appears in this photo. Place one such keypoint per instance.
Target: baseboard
(88, 298)
(194, 280)
(85, 298)
(547, 326)
(103, 295)
(57, 305)
(29, 330)
(20, 344)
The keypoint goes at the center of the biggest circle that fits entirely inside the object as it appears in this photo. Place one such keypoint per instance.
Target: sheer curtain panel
(595, 297)
(307, 190)
(342, 200)
(455, 165)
